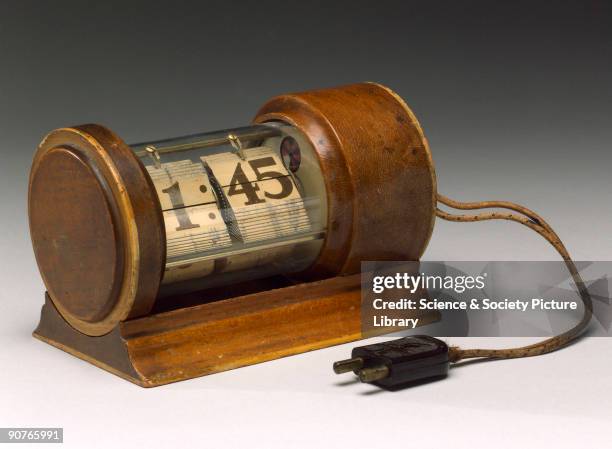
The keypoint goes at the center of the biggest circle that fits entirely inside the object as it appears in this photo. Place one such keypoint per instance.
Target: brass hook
(237, 144)
(152, 152)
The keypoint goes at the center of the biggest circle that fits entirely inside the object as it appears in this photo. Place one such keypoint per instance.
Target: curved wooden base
(218, 336)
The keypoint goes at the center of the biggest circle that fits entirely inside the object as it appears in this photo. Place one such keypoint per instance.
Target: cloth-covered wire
(530, 219)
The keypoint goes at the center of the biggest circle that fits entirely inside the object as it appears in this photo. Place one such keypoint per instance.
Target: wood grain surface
(379, 174)
(96, 228)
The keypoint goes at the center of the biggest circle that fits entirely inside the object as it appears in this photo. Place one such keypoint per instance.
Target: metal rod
(259, 133)
(344, 366)
(373, 374)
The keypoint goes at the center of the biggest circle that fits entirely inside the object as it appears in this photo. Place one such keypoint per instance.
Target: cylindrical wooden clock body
(321, 181)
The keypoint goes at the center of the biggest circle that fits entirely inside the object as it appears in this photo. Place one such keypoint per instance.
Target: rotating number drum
(238, 204)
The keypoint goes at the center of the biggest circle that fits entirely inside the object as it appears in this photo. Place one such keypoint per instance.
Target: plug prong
(373, 373)
(344, 366)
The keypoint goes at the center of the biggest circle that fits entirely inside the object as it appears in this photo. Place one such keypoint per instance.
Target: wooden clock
(178, 258)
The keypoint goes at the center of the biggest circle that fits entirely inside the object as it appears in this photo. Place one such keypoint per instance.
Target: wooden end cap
(379, 174)
(96, 228)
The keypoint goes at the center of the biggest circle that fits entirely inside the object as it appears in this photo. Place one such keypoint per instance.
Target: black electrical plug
(398, 363)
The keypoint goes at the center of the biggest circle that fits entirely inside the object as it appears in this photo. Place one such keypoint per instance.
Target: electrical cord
(533, 221)
(397, 363)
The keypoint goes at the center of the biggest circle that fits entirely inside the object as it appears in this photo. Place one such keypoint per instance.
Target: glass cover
(238, 204)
